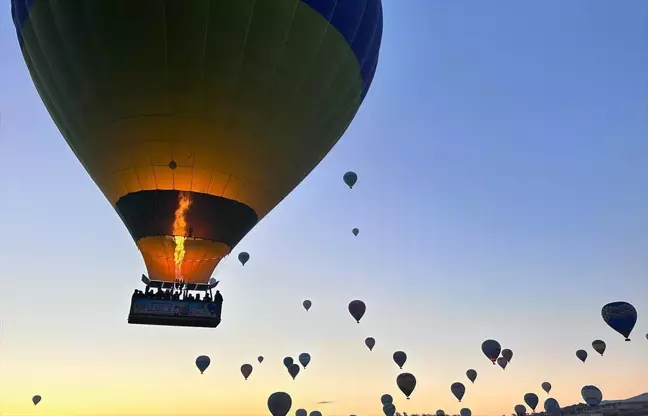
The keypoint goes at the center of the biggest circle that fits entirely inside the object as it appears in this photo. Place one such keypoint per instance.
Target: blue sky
(502, 155)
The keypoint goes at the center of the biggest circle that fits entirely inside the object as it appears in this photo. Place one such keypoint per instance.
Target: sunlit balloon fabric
(227, 103)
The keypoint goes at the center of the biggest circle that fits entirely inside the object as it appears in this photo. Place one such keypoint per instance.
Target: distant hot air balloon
(301, 412)
(307, 304)
(620, 316)
(293, 370)
(472, 375)
(465, 412)
(355, 231)
(304, 359)
(389, 409)
(386, 399)
(502, 362)
(400, 358)
(202, 363)
(552, 407)
(406, 383)
(243, 258)
(440, 413)
(36, 399)
(287, 362)
(592, 395)
(160, 107)
(491, 349)
(260, 359)
(458, 389)
(357, 309)
(508, 354)
(246, 370)
(599, 346)
(315, 413)
(520, 410)
(546, 386)
(279, 404)
(350, 178)
(370, 343)
(531, 399)
(582, 355)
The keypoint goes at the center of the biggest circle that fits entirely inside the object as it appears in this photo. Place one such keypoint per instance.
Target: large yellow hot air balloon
(195, 117)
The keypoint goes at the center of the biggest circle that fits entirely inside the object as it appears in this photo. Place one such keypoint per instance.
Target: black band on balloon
(209, 217)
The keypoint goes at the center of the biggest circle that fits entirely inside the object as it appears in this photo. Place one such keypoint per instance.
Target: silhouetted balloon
(36, 399)
(440, 413)
(502, 362)
(260, 359)
(546, 386)
(307, 304)
(304, 358)
(406, 383)
(246, 370)
(301, 412)
(508, 354)
(531, 399)
(315, 413)
(386, 399)
(355, 231)
(491, 349)
(592, 395)
(350, 178)
(293, 370)
(357, 309)
(520, 410)
(370, 343)
(599, 346)
(389, 409)
(202, 363)
(620, 316)
(287, 362)
(472, 375)
(400, 358)
(551, 406)
(279, 403)
(582, 355)
(243, 258)
(458, 389)
(465, 412)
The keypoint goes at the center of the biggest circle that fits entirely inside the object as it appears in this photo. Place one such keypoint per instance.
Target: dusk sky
(502, 155)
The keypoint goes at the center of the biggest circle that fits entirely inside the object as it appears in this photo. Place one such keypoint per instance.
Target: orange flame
(179, 232)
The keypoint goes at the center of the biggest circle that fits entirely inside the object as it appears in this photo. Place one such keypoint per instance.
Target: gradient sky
(503, 161)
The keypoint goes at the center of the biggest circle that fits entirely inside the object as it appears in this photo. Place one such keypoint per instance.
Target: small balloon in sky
(491, 349)
(552, 407)
(293, 370)
(370, 343)
(531, 399)
(301, 412)
(502, 362)
(599, 346)
(582, 355)
(243, 257)
(406, 383)
(304, 359)
(620, 316)
(246, 370)
(400, 358)
(472, 375)
(520, 410)
(508, 354)
(287, 362)
(307, 304)
(350, 178)
(389, 409)
(386, 399)
(458, 389)
(36, 399)
(202, 363)
(592, 395)
(279, 403)
(440, 413)
(315, 413)
(357, 309)
(465, 412)
(546, 386)
(355, 231)
(260, 359)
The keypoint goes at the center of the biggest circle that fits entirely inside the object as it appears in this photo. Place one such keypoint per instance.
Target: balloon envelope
(400, 358)
(160, 107)
(582, 355)
(350, 178)
(301, 412)
(551, 406)
(304, 359)
(287, 362)
(307, 304)
(260, 359)
(508, 354)
(202, 363)
(243, 258)
(546, 386)
(599, 346)
(386, 399)
(389, 409)
(36, 399)
(458, 389)
(355, 231)
(620, 316)
(357, 309)
(472, 375)
(406, 383)
(465, 412)
(246, 370)
(592, 395)
(293, 370)
(370, 343)
(502, 362)
(520, 410)
(531, 399)
(279, 404)
(440, 413)
(491, 349)
(315, 413)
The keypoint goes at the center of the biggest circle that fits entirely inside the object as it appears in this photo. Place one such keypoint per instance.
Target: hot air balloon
(599, 346)
(301, 412)
(293, 370)
(304, 359)
(546, 386)
(279, 403)
(195, 119)
(260, 359)
(472, 375)
(582, 355)
(386, 399)
(508, 354)
(243, 257)
(465, 412)
(315, 413)
(370, 343)
(389, 409)
(287, 362)
(520, 410)
(440, 413)
(502, 362)
(400, 358)
(36, 399)
(531, 399)
(406, 383)
(491, 349)
(551, 406)
(350, 178)
(246, 370)
(592, 395)
(458, 389)
(355, 231)
(307, 304)
(620, 316)
(357, 309)
(202, 363)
